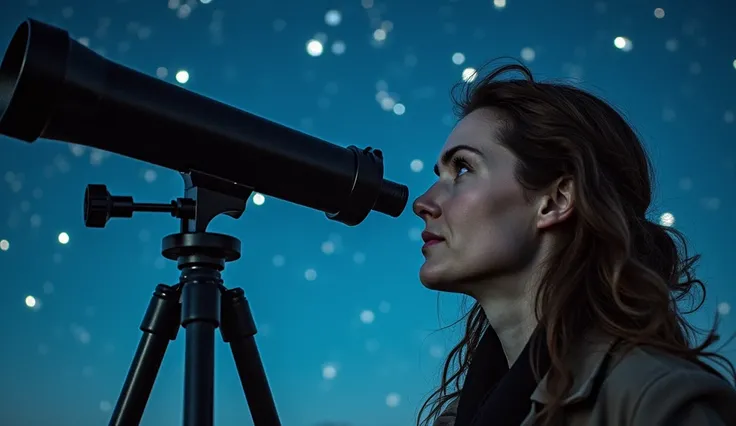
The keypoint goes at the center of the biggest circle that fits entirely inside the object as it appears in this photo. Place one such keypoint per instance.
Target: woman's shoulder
(642, 366)
(646, 381)
(646, 362)
(632, 365)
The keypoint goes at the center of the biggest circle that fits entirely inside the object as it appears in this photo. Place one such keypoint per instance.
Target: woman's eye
(460, 166)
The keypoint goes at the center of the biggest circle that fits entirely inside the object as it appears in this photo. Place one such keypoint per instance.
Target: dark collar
(493, 392)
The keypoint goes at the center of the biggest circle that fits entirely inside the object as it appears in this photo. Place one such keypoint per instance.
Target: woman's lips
(431, 243)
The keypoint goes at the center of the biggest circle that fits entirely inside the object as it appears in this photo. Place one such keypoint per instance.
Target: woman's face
(478, 209)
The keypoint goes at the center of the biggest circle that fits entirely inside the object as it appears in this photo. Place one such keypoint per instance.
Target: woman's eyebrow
(447, 156)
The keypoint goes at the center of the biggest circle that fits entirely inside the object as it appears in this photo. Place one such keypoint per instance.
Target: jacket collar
(586, 361)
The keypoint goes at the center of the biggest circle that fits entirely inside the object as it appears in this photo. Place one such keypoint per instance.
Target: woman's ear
(556, 203)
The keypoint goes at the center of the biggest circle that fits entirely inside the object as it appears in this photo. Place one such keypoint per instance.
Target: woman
(539, 215)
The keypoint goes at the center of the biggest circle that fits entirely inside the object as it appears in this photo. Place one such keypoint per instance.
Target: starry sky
(346, 331)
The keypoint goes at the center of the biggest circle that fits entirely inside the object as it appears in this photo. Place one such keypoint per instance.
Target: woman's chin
(433, 279)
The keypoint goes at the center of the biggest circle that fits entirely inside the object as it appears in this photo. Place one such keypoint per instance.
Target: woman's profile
(539, 214)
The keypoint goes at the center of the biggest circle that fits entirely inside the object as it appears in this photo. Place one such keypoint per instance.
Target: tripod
(199, 302)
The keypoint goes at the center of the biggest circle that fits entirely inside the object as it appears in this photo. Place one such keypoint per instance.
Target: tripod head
(195, 211)
(200, 204)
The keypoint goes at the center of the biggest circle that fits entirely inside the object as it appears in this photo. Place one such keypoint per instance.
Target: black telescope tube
(53, 87)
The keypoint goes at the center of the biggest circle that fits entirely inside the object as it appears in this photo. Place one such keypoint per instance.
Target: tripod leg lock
(164, 310)
(237, 321)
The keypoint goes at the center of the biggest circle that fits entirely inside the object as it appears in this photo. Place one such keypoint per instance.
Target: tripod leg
(239, 329)
(200, 317)
(160, 325)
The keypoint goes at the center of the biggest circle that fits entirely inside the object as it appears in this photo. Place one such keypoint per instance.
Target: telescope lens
(9, 73)
(31, 77)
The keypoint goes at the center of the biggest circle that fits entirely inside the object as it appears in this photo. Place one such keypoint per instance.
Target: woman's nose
(426, 207)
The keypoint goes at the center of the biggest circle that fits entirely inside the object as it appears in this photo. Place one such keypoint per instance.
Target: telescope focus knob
(100, 206)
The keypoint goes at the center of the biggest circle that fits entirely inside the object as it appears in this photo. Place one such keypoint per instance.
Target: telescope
(52, 87)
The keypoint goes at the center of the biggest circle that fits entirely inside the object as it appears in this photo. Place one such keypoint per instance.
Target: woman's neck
(514, 327)
(509, 309)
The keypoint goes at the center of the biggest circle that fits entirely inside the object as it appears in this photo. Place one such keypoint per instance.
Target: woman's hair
(614, 269)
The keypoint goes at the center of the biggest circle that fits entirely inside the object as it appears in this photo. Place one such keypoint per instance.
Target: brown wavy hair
(615, 270)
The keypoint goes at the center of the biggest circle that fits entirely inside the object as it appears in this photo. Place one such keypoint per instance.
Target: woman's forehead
(478, 130)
